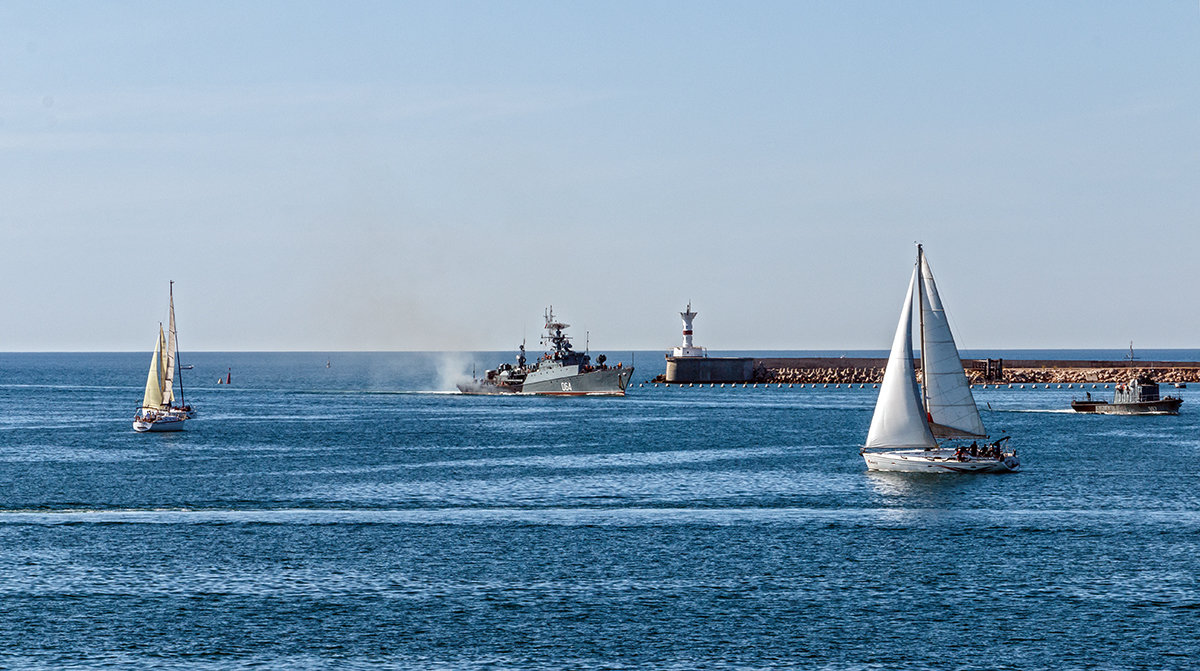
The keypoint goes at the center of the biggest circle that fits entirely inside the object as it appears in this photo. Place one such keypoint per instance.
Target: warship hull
(608, 382)
(1166, 406)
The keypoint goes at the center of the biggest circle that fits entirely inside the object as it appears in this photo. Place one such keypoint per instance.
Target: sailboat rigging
(173, 358)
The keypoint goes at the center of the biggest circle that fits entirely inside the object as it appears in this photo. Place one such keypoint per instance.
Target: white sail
(899, 419)
(948, 395)
(153, 397)
(163, 371)
(169, 357)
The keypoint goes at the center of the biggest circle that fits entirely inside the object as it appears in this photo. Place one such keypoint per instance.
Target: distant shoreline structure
(979, 371)
(843, 370)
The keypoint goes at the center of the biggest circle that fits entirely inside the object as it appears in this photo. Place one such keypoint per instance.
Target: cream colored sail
(899, 419)
(948, 395)
(153, 398)
(169, 357)
(164, 372)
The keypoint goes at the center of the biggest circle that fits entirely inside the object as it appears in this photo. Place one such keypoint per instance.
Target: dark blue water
(353, 517)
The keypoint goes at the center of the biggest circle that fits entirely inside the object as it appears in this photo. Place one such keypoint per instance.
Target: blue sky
(426, 176)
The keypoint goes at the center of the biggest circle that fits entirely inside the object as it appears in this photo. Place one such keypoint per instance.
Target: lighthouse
(689, 363)
(688, 350)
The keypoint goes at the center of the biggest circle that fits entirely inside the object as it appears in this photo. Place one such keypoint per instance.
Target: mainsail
(153, 398)
(899, 419)
(948, 398)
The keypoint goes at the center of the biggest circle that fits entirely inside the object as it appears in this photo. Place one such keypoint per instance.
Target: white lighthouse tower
(688, 349)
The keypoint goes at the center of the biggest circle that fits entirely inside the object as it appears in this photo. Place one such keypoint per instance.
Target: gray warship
(561, 371)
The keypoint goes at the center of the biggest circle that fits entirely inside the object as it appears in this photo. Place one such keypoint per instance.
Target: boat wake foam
(1039, 411)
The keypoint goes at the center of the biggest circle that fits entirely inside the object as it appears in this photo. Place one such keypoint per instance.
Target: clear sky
(429, 176)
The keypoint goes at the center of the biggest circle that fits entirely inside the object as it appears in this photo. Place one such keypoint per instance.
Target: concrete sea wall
(706, 369)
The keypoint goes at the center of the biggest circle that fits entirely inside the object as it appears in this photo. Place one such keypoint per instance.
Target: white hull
(940, 460)
(167, 423)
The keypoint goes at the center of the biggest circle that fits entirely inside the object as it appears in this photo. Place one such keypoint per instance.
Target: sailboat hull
(939, 460)
(158, 424)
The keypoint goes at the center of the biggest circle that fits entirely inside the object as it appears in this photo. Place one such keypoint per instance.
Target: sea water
(355, 515)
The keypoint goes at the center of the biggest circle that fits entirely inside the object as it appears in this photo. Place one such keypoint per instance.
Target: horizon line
(608, 349)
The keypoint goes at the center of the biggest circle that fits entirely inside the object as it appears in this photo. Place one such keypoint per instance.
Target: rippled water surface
(355, 517)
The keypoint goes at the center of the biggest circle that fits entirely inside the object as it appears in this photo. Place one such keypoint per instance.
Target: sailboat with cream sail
(911, 418)
(158, 412)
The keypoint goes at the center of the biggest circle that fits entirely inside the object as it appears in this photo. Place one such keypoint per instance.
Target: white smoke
(453, 368)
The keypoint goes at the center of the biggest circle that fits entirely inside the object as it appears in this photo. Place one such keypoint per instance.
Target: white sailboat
(911, 418)
(155, 414)
(158, 412)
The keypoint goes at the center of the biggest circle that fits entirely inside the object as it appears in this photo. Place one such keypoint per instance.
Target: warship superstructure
(561, 371)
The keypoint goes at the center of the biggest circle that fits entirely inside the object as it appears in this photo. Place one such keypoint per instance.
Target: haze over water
(351, 516)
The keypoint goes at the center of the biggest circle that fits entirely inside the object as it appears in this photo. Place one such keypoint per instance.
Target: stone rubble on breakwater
(870, 371)
(819, 375)
(1166, 375)
(1011, 376)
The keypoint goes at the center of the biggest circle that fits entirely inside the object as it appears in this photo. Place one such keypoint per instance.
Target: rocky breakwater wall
(870, 371)
(830, 375)
(819, 371)
(1106, 374)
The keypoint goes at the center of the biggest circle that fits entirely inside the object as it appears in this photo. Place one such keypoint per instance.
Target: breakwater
(870, 371)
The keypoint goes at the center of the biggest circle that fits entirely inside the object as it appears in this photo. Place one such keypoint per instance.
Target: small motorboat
(1138, 396)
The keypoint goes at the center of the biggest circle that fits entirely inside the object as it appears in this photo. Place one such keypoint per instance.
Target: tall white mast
(921, 322)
